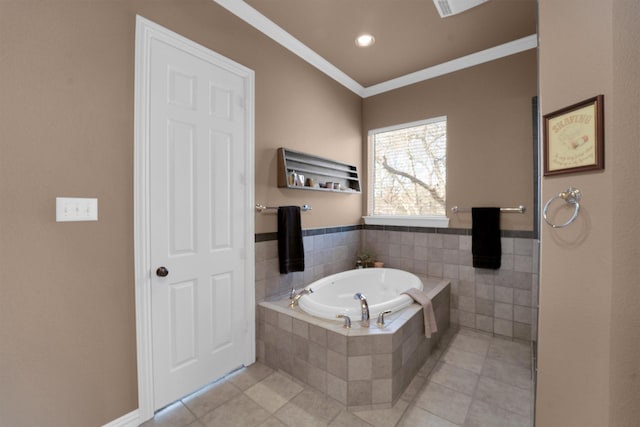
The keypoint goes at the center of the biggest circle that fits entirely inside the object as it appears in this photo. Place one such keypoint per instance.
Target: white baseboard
(132, 419)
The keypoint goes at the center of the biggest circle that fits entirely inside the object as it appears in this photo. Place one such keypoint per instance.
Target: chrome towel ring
(571, 196)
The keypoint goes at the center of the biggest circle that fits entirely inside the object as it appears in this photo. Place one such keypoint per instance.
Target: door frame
(146, 31)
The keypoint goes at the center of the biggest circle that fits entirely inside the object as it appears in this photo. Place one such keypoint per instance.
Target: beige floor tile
(504, 396)
(210, 397)
(239, 411)
(501, 394)
(293, 379)
(444, 402)
(264, 397)
(455, 378)
(175, 415)
(294, 416)
(272, 422)
(512, 352)
(384, 417)
(507, 373)
(273, 392)
(418, 417)
(347, 419)
(252, 374)
(464, 359)
(317, 404)
(482, 414)
(472, 344)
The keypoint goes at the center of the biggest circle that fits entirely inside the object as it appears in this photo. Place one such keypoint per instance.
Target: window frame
(433, 221)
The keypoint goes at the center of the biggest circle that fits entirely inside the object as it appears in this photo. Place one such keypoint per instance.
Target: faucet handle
(347, 320)
(296, 297)
(360, 296)
(380, 321)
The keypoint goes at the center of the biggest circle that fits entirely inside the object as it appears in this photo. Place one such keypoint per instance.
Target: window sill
(408, 221)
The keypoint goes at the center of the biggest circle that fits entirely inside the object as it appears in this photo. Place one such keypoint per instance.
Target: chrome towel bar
(262, 208)
(520, 209)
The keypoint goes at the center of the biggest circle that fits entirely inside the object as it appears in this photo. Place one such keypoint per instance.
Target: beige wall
(67, 315)
(489, 132)
(67, 323)
(625, 295)
(588, 346)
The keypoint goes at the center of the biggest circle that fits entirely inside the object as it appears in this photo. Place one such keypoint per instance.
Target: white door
(197, 212)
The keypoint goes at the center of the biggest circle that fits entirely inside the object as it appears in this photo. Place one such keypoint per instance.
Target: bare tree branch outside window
(410, 170)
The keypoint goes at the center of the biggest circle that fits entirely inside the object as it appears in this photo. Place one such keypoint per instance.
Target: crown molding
(260, 22)
(487, 55)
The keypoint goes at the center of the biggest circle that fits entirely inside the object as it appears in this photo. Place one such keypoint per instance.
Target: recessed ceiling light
(365, 40)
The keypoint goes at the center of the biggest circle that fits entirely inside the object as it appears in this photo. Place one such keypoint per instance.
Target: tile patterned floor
(470, 380)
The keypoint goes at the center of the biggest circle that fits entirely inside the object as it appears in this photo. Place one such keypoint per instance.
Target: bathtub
(322, 352)
(383, 287)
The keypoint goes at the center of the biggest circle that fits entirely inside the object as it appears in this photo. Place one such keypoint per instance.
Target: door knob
(162, 272)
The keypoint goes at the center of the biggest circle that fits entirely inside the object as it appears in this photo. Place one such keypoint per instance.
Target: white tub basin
(382, 287)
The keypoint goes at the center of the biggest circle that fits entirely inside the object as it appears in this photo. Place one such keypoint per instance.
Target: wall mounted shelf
(317, 172)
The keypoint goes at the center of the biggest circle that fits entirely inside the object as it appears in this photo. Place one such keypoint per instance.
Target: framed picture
(574, 138)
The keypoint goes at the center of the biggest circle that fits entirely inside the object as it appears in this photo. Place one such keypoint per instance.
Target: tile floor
(471, 379)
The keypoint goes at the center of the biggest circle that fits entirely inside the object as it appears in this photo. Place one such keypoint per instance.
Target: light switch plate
(76, 209)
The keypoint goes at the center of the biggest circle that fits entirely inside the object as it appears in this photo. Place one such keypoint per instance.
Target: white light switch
(76, 209)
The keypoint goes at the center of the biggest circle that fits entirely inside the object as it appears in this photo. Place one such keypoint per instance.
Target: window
(407, 174)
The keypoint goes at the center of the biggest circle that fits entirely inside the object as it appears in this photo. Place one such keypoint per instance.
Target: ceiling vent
(453, 7)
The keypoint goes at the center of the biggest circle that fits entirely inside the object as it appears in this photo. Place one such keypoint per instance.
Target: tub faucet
(380, 321)
(347, 320)
(364, 309)
(296, 297)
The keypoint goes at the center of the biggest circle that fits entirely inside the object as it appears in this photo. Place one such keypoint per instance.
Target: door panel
(221, 327)
(182, 300)
(182, 214)
(197, 128)
(220, 165)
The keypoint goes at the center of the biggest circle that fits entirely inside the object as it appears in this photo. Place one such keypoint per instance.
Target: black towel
(485, 238)
(290, 247)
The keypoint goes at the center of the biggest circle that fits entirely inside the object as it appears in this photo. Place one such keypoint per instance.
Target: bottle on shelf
(293, 178)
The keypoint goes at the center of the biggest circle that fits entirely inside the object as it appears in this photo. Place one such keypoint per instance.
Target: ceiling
(410, 36)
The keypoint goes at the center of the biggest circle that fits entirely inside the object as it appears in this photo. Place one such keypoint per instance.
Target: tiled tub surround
(359, 367)
(497, 301)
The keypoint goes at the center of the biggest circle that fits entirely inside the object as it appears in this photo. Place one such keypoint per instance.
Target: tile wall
(496, 301)
(326, 251)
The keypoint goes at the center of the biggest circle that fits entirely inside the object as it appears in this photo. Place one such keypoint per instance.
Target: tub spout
(296, 297)
(364, 309)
